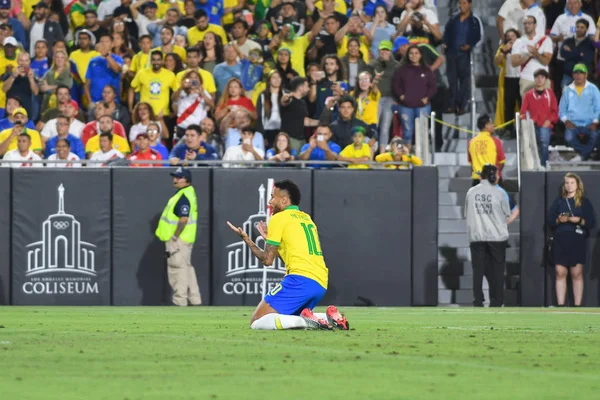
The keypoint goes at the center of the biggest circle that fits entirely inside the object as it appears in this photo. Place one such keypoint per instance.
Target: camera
(320, 138)
(17, 122)
(195, 83)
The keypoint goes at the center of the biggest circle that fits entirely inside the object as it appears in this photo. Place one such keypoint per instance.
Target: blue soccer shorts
(294, 294)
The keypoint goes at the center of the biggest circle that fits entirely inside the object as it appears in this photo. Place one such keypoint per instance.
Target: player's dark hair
(15, 98)
(24, 134)
(107, 135)
(583, 21)
(191, 50)
(489, 172)
(292, 190)
(62, 87)
(200, 14)
(169, 29)
(156, 52)
(144, 37)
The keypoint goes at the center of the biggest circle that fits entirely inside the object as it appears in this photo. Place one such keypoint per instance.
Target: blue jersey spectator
(162, 150)
(320, 148)
(213, 8)
(77, 146)
(12, 103)
(228, 69)
(103, 70)
(40, 67)
(193, 144)
(251, 73)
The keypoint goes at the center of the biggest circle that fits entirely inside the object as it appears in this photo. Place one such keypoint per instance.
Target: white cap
(10, 40)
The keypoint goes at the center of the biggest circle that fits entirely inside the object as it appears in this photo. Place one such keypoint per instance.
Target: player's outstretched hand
(237, 230)
(262, 229)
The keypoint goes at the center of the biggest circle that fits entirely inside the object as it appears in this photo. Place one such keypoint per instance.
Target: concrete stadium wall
(92, 242)
(538, 191)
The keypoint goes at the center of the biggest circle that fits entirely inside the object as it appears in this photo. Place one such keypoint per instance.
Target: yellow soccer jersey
(154, 88)
(296, 236)
(82, 61)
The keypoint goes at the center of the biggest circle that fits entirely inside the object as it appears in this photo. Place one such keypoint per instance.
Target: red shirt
(541, 108)
(242, 102)
(149, 154)
(91, 129)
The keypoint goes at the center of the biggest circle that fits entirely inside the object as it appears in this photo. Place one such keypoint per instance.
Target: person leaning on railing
(399, 153)
(571, 218)
(358, 151)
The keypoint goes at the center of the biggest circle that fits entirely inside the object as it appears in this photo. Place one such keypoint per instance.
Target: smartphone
(247, 141)
(320, 138)
(320, 75)
(195, 83)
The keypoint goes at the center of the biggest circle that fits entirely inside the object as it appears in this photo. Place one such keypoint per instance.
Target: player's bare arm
(266, 256)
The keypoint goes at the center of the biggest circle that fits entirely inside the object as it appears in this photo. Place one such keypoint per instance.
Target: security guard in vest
(177, 228)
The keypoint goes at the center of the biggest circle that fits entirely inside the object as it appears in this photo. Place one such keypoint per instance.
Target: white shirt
(520, 47)
(70, 157)
(142, 22)
(274, 121)
(106, 8)
(249, 45)
(36, 33)
(513, 15)
(509, 70)
(565, 25)
(428, 13)
(140, 128)
(101, 156)
(50, 129)
(14, 155)
(186, 101)
(235, 153)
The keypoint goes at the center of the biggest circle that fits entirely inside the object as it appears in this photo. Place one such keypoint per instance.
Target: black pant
(512, 97)
(489, 259)
(458, 69)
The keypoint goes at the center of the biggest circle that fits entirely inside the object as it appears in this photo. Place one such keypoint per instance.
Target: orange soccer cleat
(336, 319)
(312, 320)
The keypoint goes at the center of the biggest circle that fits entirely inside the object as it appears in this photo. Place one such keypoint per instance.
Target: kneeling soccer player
(293, 235)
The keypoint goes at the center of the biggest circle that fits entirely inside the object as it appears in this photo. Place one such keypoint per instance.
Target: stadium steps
(454, 257)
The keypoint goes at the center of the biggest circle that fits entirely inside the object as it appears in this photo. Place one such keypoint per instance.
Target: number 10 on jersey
(313, 246)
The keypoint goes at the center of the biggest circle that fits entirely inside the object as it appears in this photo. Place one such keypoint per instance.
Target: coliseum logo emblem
(243, 268)
(61, 248)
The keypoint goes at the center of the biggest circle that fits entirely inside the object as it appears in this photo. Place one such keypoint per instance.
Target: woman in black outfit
(571, 217)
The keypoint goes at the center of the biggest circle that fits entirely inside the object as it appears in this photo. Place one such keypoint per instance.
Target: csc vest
(168, 220)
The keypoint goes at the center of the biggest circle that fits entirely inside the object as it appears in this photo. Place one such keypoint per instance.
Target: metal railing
(206, 163)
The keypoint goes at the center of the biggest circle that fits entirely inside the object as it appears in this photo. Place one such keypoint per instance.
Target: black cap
(41, 4)
(482, 121)
(182, 173)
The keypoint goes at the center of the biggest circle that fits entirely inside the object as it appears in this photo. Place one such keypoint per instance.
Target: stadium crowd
(277, 80)
(235, 80)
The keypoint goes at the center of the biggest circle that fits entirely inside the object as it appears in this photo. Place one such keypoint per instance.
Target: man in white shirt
(69, 109)
(63, 153)
(244, 151)
(413, 6)
(106, 152)
(106, 8)
(239, 31)
(22, 153)
(531, 52)
(513, 12)
(144, 13)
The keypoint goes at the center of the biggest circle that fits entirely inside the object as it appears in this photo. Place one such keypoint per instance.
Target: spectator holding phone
(21, 82)
(243, 152)
(398, 153)
(320, 147)
(571, 217)
(193, 102)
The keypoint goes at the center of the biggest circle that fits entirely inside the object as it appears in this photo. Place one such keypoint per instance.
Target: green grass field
(210, 353)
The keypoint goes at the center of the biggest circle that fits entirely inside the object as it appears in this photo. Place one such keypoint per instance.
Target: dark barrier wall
(139, 266)
(240, 196)
(532, 217)
(366, 239)
(424, 236)
(591, 297)
(61, 240)
(5, 212)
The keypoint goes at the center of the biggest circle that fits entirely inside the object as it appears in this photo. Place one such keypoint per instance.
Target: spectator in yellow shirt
(142, 59)
(196, 34)
(166, 36)
(398, 153)
(8, 137)
(357, 151)
(153, 85)
(367, 95)
(105, 124)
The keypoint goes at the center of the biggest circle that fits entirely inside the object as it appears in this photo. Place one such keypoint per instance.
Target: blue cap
(399, 42)
(182, 173)
(5, 4)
